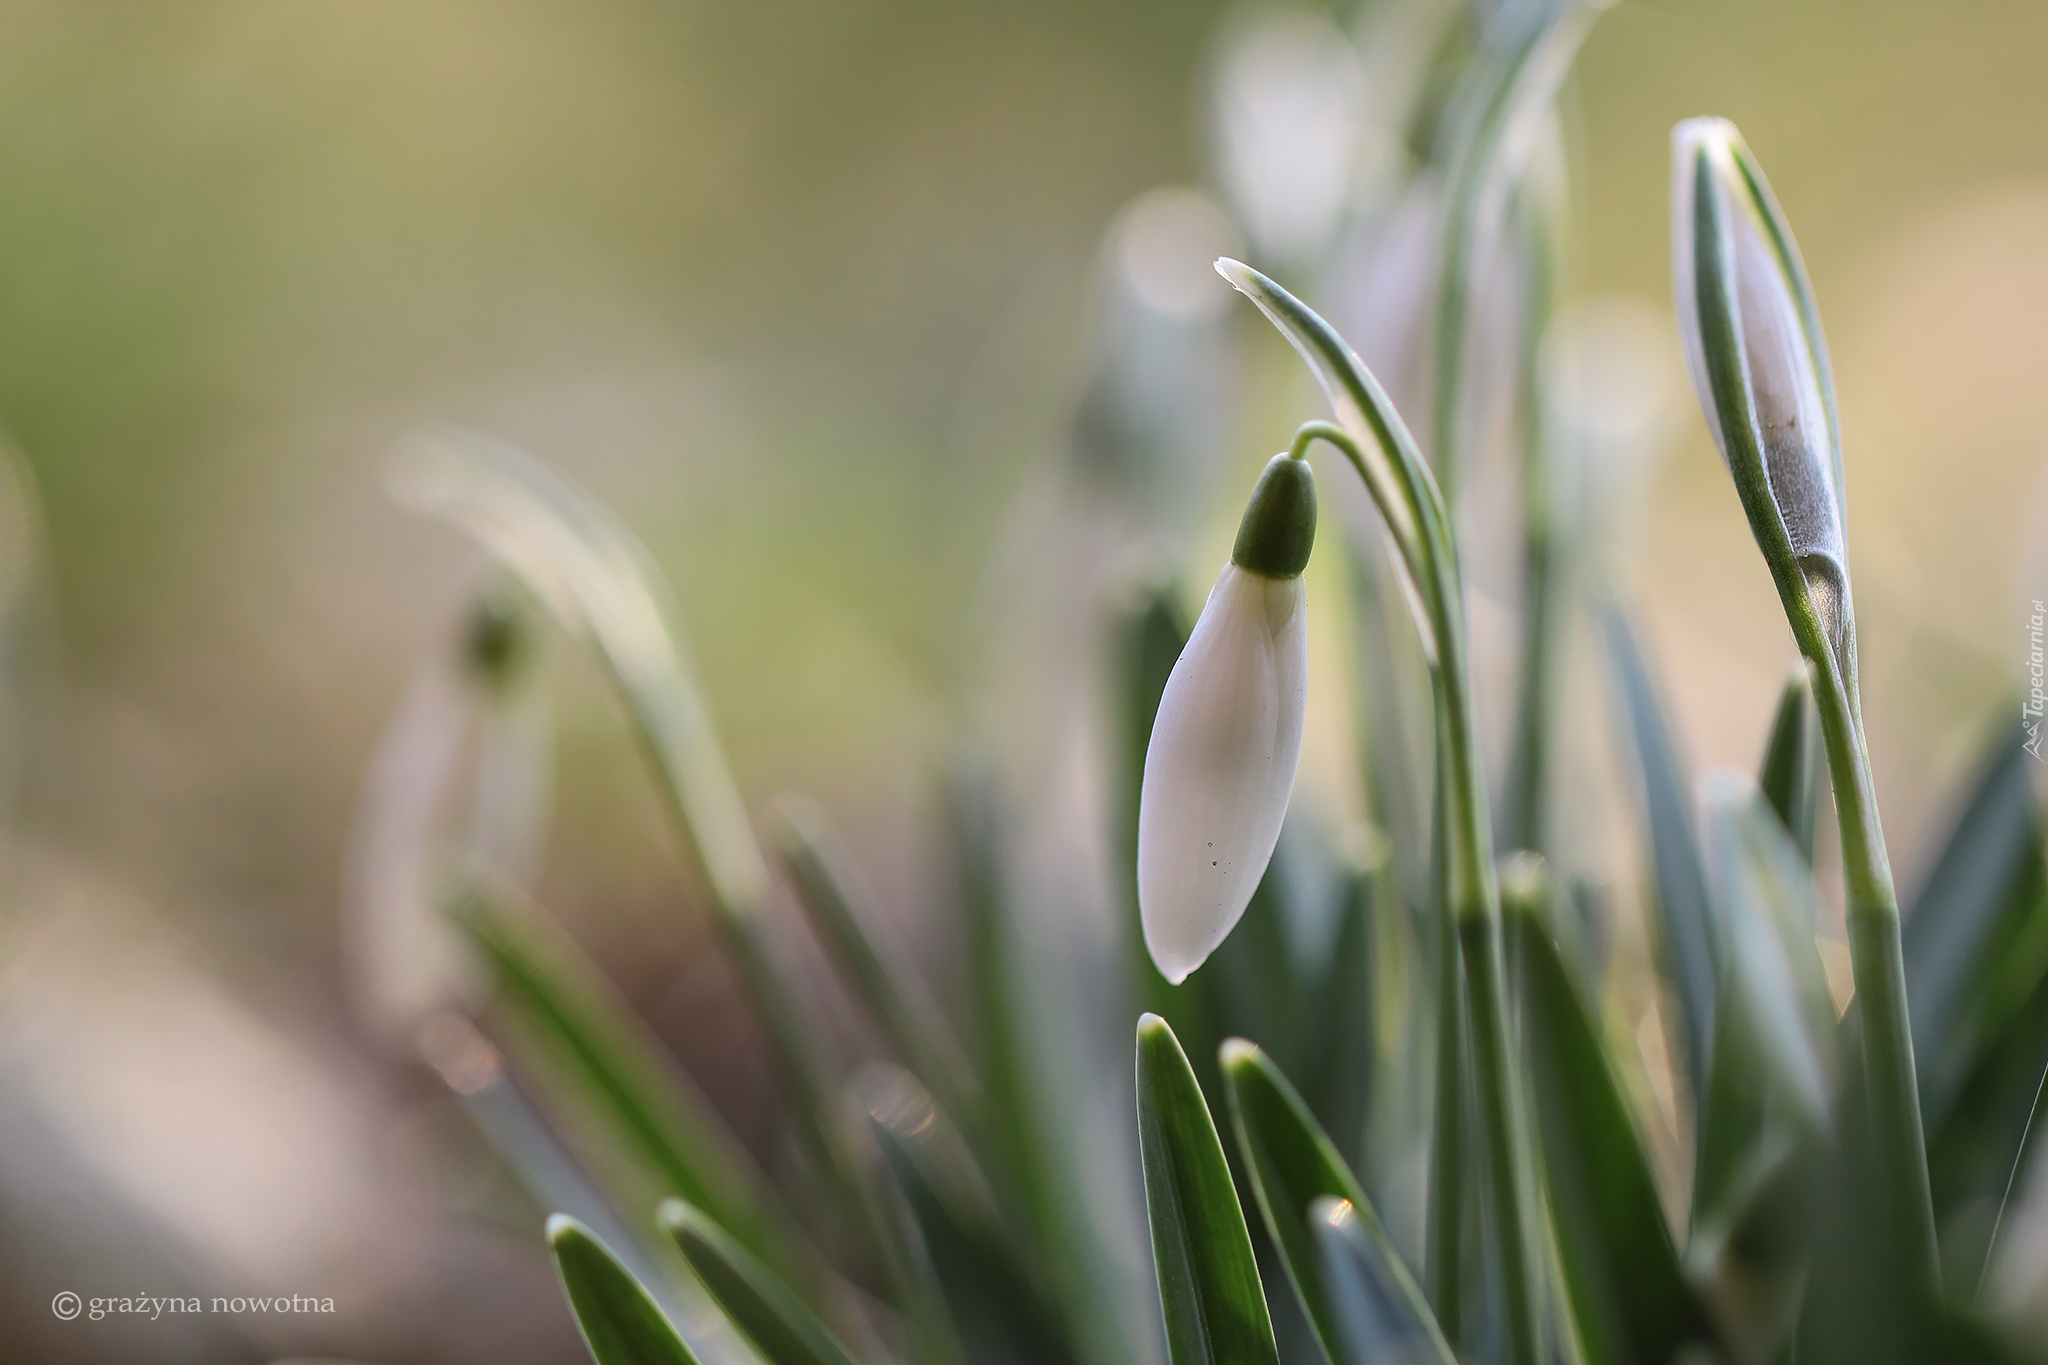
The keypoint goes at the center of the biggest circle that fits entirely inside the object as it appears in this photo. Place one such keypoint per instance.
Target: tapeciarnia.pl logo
(2037, 696)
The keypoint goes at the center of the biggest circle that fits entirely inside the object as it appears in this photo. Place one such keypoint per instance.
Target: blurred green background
(802, 290)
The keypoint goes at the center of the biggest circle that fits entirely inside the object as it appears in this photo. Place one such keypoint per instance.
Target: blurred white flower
(1290, 104)
(1224, 745)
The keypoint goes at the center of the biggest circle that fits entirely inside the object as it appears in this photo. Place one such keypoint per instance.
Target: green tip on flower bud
(1279, 526)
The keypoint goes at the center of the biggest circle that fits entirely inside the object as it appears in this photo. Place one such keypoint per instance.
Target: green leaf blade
(619, 1319)
(1293, 1167)
(1685, 916)
(1984, 883)
(1626, 1286)
(1793, 771)
(977, 1278)
(1373, 1319)
(764, 1309)
(655, 1113)
(894, 996)
(1209, 1286)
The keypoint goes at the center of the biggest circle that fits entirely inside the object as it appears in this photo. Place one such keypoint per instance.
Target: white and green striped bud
(1224, 745)
(1759, 361)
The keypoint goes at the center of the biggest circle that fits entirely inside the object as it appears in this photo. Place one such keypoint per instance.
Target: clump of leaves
(1384, 1109)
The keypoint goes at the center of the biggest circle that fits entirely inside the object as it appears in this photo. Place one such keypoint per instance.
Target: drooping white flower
(1227, 736)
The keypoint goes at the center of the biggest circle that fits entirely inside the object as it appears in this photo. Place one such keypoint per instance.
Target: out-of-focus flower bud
(1227, 736)
(1290, 107)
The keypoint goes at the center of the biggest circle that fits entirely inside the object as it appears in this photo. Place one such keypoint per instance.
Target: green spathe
(1279, 526)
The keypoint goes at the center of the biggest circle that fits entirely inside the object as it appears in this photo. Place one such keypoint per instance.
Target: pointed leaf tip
(1209, 1286)
(766, 1311)
(620, 1322)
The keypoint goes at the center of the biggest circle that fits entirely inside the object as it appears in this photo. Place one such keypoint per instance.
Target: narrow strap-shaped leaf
(1793, 772)
(1209, 1283)
(1000, 995)
(1293, 1166)
(2028, 1137)
(765, 1309)
(1382, 451)
(1766, 1117)
(1966, 907)
(1628, 1293)
(599, 581)
(895, 997)
(1395, 726)
(1766, 905)
(1374, 1320)
(514, 1126)
(655, 1112)
(1346, 1008)
(1503, 105)
(1686, 933)
(995, 1309)
(620, 1322)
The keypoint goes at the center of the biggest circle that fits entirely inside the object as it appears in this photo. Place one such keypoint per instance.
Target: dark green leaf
(1765, 1120)
(1024, 1021)
(1970, 914)
(1344, 1013)
(1373, 1318)
(995, 1309)
(1263, 987)
(1395, 720)
(1770, 1084)
(620, 1322)
(1685, 927)
(1292, 1166)
(760, 1305)
(2028, 1137)
(1628, 1293)
(1209, 1284)
(600, 582)
(1792, 773)
(894, 996)
(657, 1115)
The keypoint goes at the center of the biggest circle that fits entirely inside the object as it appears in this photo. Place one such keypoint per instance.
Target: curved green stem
(1472, 896)
(1890, 1075)
(1447, 1155)
(1378, 443)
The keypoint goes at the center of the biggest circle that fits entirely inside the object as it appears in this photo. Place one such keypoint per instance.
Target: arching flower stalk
(1374, 439)
(1220, 763)
(1759, 360)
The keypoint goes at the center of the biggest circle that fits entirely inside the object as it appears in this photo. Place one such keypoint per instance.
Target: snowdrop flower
(1759, 361)
(1224, 745)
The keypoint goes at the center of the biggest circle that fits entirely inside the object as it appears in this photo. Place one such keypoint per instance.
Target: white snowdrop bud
(1758, 359)
(1227, 736)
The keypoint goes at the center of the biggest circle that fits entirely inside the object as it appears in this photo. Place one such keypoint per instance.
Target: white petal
(1786, 389)
(1220, 766)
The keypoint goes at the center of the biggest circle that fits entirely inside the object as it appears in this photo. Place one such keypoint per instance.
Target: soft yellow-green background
(799, 289)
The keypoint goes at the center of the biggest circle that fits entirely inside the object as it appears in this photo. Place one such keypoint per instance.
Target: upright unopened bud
(1754, 346)
(1227, 736)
